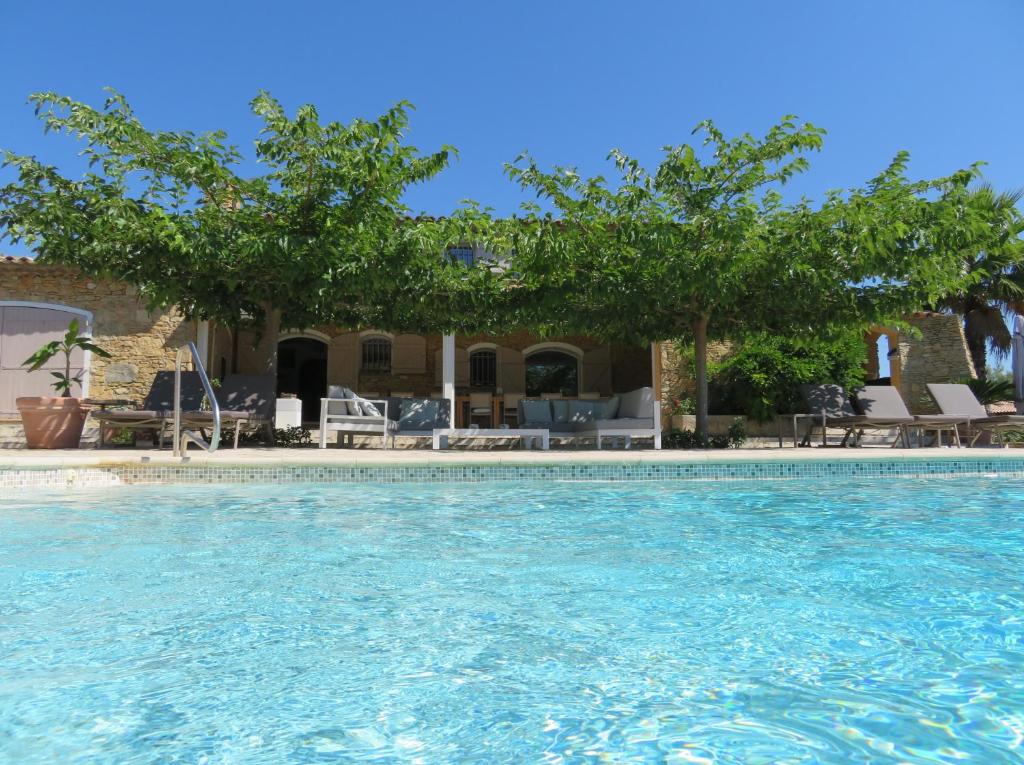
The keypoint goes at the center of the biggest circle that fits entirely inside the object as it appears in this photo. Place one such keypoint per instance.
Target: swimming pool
(831, 621)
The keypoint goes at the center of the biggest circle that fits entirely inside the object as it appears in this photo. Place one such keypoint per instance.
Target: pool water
(776, 622)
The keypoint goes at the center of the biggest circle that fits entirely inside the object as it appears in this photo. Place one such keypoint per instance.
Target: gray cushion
(611, 408)
(831, 398)
(882, 402)
(367, 408)
(636, 423)
(419, 414)
(559, 411)
(552, 427)
(340, 406)
(636, 403)
(536, 411)
(957, 399)
(584, 411)
(339, 391)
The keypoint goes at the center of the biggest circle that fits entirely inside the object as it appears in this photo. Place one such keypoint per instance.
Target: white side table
(289, 413)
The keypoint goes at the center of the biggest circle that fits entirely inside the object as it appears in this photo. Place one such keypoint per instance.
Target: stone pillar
(935, 353)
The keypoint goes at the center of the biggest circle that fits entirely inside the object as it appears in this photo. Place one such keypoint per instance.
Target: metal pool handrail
(182, 438)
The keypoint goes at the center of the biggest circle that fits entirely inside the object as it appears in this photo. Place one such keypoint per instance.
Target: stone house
(37, 302)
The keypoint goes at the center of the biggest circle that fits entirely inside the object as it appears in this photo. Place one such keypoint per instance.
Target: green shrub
(688, 439)
(763, 377)
(991, 391)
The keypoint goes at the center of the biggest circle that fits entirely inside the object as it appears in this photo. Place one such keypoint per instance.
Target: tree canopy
(994, 277)
(320, 235)
(705, 246)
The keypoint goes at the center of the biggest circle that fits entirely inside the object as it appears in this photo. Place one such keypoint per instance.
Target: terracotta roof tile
(17, 259)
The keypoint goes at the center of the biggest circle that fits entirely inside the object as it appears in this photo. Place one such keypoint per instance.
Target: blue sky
(566, 80)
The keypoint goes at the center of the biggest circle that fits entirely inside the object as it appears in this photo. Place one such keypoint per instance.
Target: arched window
(483, 368)
(376, 355)
(551, 371)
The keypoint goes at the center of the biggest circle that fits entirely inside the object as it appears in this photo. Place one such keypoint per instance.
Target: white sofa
(628, 415)
(345, 414)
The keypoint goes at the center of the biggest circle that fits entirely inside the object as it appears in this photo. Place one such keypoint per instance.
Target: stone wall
(935, 353)
(141, 342)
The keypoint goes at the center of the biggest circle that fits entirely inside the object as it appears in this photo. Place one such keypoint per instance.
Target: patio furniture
(881, 408)
(349, 415)
(157, 411)
(418, 417)
(247, 403)
(463, 418)
(510, 407)
(590, 395)
(480, 406)
(884, 404)
(830, 405)
(959, 400)
(626, 416)
(550, 396)
(442, 435)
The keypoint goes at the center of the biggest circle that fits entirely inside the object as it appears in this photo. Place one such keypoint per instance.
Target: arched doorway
(302, 369)
(552, 371)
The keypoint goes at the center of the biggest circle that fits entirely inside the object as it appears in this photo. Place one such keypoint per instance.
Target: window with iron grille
(483, 369)
(463, 255)
(376, 355)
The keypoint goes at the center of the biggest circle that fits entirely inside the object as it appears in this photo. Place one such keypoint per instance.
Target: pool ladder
(183, 437)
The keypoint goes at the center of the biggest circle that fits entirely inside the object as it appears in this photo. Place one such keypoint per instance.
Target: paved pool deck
(335, 457)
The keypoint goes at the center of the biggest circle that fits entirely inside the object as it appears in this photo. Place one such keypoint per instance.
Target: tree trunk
(700, 366)
(234, 349)
(976, 345)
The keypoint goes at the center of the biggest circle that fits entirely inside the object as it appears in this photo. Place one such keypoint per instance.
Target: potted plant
(57, 422)
(681, 407)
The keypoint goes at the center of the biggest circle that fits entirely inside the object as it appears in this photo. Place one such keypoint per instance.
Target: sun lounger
(959, 400)
(878, 408)
(157, 411)
(884, 407)
(246, 404)
(826, 405)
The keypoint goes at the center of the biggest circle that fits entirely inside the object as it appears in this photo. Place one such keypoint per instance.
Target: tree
(994, 283)
(704, 246)
(320, 235)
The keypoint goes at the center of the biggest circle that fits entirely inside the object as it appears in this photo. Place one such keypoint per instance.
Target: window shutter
(511, 370)
(409, 355)
(343, 360)
(597, 371)
(461, 366)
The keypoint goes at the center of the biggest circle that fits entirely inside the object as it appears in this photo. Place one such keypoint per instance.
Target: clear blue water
(788, 622)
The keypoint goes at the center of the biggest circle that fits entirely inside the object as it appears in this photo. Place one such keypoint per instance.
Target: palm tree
(994, 283)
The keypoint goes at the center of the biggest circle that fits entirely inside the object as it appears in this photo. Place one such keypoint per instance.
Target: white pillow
(368, 408)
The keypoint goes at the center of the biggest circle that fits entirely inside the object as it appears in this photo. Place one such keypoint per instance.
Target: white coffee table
(441, 435)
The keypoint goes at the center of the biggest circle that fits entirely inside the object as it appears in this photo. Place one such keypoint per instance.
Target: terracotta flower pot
(52, 423)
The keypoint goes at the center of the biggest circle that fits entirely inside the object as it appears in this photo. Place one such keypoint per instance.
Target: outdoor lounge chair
(350, 415)
(826, 405)
(959, 400)
(246, 404)
(883, 404)
(880, 408)
(157, 411)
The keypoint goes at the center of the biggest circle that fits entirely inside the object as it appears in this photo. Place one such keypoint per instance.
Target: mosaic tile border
(70, 478)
